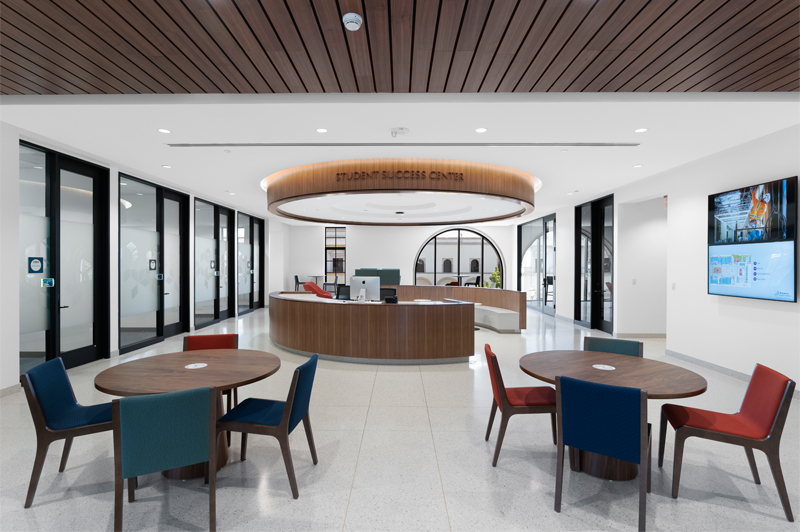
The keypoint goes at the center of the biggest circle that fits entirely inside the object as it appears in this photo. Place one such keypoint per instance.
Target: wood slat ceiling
(266, 46)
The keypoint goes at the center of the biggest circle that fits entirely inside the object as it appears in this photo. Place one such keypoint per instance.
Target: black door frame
(101, 347)
(219, 314)
(520, 253)
(182, 326)
(596, 313)
(261, 254)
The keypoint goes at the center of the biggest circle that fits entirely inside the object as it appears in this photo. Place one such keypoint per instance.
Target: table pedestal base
(601, 466)
(198, 470)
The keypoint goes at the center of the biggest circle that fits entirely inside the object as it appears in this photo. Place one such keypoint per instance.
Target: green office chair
(614, 345)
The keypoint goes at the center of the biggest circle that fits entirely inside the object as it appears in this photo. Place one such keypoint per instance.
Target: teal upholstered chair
(277, 418)
(614, 345)
(163, 431)
(607, 420)
(57, 415)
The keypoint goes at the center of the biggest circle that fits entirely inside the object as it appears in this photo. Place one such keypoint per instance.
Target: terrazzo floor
(400, 448)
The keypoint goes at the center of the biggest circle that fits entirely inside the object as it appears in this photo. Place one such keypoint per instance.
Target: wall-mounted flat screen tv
(752, 241)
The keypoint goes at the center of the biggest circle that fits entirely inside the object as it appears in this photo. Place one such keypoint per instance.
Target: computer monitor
(343, 292)
(387, 292)
(372, 285)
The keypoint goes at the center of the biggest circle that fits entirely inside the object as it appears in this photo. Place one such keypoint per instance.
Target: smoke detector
(399, 131)
(352, 21)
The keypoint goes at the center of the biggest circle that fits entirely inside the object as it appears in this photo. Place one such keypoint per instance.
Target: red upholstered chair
(216, 341)
(757, 425)
(319, 292)
(511, 401)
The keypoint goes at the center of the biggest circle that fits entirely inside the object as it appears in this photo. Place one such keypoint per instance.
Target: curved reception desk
(406, 332)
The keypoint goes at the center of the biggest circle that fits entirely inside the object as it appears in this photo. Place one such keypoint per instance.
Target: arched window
(470, 258)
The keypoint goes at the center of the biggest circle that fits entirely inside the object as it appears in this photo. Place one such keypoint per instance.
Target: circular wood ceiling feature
(392, 191)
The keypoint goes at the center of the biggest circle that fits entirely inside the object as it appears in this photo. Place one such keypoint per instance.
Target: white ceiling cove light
(352, 21)
(162, 130)
(322, 130)
(481, 130)
(640, 130)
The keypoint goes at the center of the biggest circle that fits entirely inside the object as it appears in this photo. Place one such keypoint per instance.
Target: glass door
(258, 283)
(224, 289)
(244, 263)
(175, 266)
(604, 290)
(549, 281)
(594, 252)
(206, 285)
(537, 251)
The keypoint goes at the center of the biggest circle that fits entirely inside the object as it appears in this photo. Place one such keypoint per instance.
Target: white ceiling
(121, 131)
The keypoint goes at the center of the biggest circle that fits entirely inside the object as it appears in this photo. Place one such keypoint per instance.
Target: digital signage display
(752, 239)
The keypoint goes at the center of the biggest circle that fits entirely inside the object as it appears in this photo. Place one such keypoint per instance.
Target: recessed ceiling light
(38, 167)
(162, 130)
(569, 193)
(231, 193)
(139, 194)
(322, 130)
(165, 166)
(638, 165)
(640, 130)
(481, 130)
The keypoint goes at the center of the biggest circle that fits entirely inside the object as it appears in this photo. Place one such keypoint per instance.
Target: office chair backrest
(763, 399)
(387, 292)
(493, 376)
(51, 385)
(210, 341)
(302, 391)
(601, 418)
(613, 345)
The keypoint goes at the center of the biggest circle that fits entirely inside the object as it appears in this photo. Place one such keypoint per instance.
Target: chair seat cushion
(256, 412)
(535, 396)
(734, 424)
(81, 416)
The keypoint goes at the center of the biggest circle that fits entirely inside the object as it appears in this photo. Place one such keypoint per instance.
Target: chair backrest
(498, 388)
(312, 287)
(210, 341)
(603, 419)
(764, 397)
(386, 292)
(164, 431)
(343, 292)
(53, 391)
(296, 280)
(300, 392)
(613, 345)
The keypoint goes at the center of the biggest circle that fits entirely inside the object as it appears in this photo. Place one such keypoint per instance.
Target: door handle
(166, 293)
(64, 307)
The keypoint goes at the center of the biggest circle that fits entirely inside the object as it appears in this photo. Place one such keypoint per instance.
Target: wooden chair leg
(774, 459)
(662, 440)
(132, 489)
(676, 468)
(230, 398)
(649, 465)
(118, 488)
(205, 472)
(500, 436)
(554, 428)
(287, 459)
(244, 446)
(38, 464)
(310, 437)
(65, 454)
(643, 489)
(236, 397)
(559, 475)
(491, 419)
(752, 461)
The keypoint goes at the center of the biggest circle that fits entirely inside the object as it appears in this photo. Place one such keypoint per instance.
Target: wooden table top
(225, 369)
(659, 379)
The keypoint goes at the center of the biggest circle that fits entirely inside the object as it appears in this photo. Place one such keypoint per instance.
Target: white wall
(9, 269)
(640, 254)
(565, 262)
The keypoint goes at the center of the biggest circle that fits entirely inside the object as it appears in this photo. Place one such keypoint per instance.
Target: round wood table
(659, 379)
(224, 369)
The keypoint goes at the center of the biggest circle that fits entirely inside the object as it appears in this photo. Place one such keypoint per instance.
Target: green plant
(494, 279)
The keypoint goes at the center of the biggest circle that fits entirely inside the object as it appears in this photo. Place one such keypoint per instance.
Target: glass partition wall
(153, 303)
(537, 257)
(459, 257)
(64, 259)
(214, 275)
(594, 253)
(249, 233)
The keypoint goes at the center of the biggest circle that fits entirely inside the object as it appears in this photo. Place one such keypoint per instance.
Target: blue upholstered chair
(277, 418)
(607, 420)
(613, 345)
(57, 415)
(163, 431)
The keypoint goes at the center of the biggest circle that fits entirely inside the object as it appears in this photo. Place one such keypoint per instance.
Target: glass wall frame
(249, 264)
(163, 284)
(449, 258)
(594, 264)
(214, 271)
(536, 256)
(74, 253)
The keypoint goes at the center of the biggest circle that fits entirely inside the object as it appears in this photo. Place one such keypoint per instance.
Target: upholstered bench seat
(497, 319)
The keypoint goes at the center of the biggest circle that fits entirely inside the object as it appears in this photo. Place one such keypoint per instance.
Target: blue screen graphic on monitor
(757, 270)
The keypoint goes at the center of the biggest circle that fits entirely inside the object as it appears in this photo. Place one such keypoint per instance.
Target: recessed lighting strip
(412, 144)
